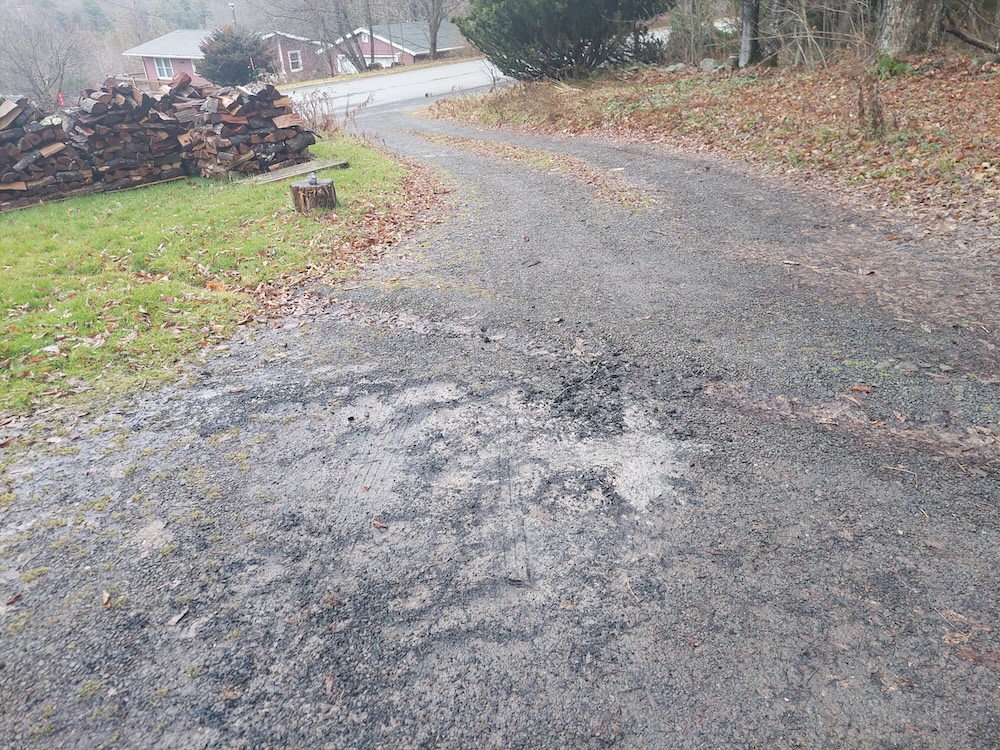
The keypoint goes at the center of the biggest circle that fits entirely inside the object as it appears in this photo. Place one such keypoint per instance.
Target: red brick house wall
(383, 50)
(299, 59)
(401, 43)
(385, 54)
(178, 65)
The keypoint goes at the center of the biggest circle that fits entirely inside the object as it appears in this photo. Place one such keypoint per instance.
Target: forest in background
(53, 46)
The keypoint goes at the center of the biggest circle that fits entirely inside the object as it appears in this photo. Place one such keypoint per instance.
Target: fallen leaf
(329, 684)
(953, 616)
(968, 654)
(331, 599)
(379, 525)
(853, 400)
(14, 599)
(179, 616)
(7, 441)
(106, 599)
(228, 694)
(860, 388)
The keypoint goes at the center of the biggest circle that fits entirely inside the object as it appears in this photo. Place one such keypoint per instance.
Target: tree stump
(308, 197)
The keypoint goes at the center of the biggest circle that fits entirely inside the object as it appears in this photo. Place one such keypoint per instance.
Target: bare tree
(42, 53)
(434, 13)
(332, 22)
(966, 21)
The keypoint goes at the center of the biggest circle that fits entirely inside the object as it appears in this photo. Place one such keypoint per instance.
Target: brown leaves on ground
(377, 229)
(960, 632)
(934, 173)
(974, 449)
(607, 186)
(937, 159)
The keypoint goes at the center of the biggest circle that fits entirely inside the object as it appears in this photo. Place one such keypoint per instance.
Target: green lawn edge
(107, 293)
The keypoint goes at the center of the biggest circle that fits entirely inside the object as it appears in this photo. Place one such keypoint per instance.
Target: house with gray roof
(166, 56)
(296, 58)
(400, 43)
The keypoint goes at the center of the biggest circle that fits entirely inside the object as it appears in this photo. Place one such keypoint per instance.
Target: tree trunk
(308, 197)
(435, 15)
(910, 27)
(773, 33)
(749, 33)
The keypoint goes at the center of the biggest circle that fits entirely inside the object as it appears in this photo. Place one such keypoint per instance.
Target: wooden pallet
(60, 198)
(297, 171)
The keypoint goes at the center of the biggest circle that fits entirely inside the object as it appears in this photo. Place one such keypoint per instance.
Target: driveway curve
(561, 472)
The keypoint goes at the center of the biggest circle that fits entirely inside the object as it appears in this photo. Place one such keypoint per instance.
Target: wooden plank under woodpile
(296, 171)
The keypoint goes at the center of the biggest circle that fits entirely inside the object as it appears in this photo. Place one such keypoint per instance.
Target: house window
(164, 67)
(294, 60)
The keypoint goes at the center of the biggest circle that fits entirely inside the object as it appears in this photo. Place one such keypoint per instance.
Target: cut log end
(308, 197)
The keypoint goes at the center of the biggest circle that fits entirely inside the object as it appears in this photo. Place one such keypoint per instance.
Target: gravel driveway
(718, 472)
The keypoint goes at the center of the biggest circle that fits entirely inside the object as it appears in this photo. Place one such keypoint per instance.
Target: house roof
(413, 37)
(285, 34)
(183, 44)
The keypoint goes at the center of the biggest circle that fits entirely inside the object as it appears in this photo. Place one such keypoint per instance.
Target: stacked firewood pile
(120, 137)
(248, 130)
(37, 160)
(186, 99)
(132, 138)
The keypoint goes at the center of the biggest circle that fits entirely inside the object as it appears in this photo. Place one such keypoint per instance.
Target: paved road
(396, 87)
(558, 473)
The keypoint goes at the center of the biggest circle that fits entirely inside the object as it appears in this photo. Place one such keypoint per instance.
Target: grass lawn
(107, 292)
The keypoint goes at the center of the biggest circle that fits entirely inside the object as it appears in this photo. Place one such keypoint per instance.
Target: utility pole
(232, 8)
(371, 32)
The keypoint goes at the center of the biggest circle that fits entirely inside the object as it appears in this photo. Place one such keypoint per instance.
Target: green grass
(111, 291)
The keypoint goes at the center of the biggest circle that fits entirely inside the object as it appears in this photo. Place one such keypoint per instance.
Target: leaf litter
(934, 178)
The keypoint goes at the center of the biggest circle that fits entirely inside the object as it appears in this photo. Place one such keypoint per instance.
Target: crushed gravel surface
(557, 473)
